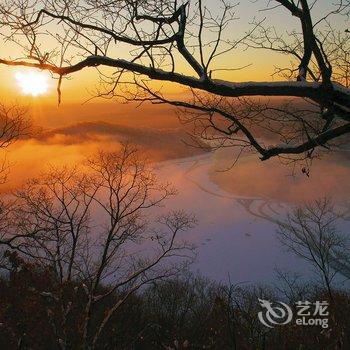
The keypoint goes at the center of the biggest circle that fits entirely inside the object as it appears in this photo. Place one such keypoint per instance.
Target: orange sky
(76, 90)
(80, 86)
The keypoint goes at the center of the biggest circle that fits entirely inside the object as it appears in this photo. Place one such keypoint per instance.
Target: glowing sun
(32, 82)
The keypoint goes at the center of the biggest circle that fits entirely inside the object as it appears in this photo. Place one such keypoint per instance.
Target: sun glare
(32, 82)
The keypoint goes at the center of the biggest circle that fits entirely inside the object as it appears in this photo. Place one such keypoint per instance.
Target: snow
(273, 84)
(281, 84)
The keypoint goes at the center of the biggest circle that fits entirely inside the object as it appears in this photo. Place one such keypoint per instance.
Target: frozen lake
(236, 233)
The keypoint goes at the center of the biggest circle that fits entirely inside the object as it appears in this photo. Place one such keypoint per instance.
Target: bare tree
(13, 125)
(291, 286)
(311, 233)
(183, 43)
(102, 258)
(244, 304)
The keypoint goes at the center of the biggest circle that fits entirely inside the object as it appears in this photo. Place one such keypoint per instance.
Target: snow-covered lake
(236, 232)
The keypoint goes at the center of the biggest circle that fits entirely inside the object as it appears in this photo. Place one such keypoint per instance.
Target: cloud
(72, 144)
(160, 143)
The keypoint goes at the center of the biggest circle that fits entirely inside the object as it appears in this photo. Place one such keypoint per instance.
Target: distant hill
(160, 143)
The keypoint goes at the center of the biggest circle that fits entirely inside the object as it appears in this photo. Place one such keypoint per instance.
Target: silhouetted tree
(184, 43)
(105, 259)
(311, 233)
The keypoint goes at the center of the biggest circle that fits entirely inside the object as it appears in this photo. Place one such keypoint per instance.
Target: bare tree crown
(92, 229)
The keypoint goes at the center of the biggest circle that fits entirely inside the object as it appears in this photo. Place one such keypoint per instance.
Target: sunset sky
(78, 88)
(81, 86)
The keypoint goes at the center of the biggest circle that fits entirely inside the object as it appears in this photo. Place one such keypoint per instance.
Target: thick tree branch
(319, 140)
(312, 90)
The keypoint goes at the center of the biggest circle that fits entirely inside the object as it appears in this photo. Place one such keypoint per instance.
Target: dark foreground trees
(190, 43)
(87, 242)
(187, 312)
